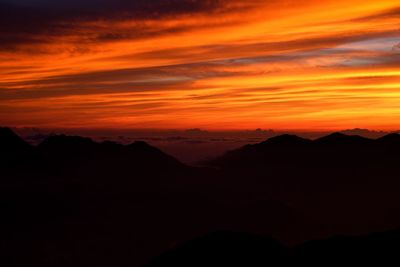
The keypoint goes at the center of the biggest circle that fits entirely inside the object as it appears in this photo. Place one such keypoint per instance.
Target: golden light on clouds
(215, 65)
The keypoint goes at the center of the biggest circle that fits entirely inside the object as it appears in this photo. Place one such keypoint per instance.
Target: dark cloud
(29, 22)
(102, 9)
(113, 81)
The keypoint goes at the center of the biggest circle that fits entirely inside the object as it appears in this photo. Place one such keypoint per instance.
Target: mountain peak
(286, 139)
(143, 146)
(341, 138)
(6, 132)
(67, 142)
(10, 140)
(392, 137)
(140, 144)
(144, 149)
(224, 248)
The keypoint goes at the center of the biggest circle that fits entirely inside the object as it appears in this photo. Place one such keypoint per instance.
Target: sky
(180, 64)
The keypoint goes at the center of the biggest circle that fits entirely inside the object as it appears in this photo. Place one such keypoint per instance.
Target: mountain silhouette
(12, 149)
(225, 249)
(291, 149)
(342, 139)
(330, 179)
(76, 147)
(390, 139)
(71, 201)
(286, 140)
(9, 140)
(10, 143)
(119, 197)
(63, 142)
(84, 161)
(365, 132)
(239, 249)
(379, 248)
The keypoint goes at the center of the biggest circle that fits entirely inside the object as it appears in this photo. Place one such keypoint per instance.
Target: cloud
(396, 48)
(391, 13)
(30, 22)
(208, 64)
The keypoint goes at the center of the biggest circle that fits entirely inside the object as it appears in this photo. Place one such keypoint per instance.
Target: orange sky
(223, 65)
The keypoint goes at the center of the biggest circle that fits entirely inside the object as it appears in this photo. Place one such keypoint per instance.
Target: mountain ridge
(135, 196)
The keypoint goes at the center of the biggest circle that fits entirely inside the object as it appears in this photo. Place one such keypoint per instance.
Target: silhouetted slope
(285, 140)
(333, 150)
(12, 147)
(81, 160)
(67, 144)
(238, 249)
(272, 151)
(10, 141)
(340, 139)
(74, 148)
(390, 139)
(106, 204)
(365, 132)
(347, 183)
(75, 202)
(225, 249)
(379, 249)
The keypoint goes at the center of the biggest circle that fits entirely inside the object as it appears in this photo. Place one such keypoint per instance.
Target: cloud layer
(210, 64)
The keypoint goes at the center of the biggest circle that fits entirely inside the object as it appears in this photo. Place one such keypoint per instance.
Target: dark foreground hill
(71, 201)
(74, 202)
(348, 183)
(240, 249)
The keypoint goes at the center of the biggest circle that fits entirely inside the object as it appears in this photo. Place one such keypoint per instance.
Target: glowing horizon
(201, 64)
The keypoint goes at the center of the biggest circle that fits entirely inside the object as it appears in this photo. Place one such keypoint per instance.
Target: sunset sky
(223, 64)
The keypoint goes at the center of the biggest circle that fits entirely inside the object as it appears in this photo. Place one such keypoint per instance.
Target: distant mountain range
(291, 149)
(71, 201)
(188, 146)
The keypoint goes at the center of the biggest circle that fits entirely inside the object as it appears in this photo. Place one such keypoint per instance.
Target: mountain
(365, 133)
(105, 204)
(10, 142)
(380, 248)
(12, 148)
(341, 139)
(82, 161)
(347, 184)
(76, 147)
(224, 249)
(71, 201)
(69, 143)
(272, 151)
(291, 149)
(390, 139)
(239, 249)
(286, 140)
